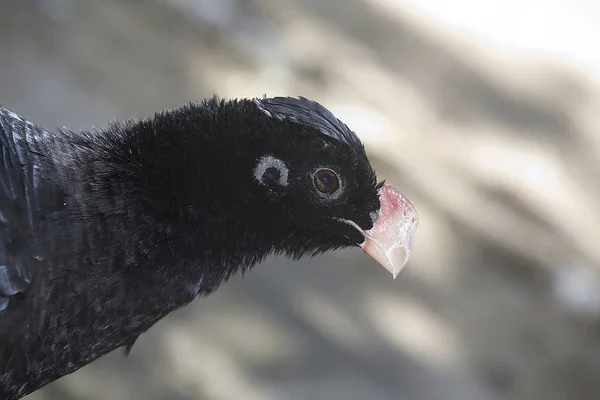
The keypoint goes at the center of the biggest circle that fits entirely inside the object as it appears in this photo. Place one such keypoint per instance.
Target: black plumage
(104, 232)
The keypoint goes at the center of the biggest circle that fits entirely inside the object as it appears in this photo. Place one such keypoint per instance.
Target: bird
(105, 231)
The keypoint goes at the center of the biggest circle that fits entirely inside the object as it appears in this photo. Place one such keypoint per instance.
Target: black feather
(105, 232)
(310, 113)
(129, 344)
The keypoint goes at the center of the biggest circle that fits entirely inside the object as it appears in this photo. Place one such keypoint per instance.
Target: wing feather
(25, 199)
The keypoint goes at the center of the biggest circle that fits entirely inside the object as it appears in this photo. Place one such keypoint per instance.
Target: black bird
(104, 232)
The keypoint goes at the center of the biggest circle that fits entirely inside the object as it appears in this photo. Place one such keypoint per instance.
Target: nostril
(374, 216)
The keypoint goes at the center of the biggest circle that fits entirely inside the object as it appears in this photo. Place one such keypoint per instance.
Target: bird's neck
(153, 190)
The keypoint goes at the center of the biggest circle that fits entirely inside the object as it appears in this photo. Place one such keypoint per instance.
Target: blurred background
(485, 113)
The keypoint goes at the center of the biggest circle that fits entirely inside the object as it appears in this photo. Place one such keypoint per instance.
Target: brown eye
(326, 181)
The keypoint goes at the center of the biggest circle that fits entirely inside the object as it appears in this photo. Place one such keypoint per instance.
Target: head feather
(312, 114)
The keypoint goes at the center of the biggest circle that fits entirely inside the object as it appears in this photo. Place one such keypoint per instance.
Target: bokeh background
(485, 113)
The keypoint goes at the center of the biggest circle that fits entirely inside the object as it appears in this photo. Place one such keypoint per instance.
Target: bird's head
(245, 178)
(318, 189)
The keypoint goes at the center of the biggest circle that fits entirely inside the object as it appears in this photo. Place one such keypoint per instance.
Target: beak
(391, 239)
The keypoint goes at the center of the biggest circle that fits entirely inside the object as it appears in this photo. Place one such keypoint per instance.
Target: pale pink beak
(391, 239)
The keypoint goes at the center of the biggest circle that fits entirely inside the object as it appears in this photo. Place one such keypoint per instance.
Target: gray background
(496, 150)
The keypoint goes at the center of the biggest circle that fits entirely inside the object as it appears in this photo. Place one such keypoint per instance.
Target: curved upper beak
(390, 241)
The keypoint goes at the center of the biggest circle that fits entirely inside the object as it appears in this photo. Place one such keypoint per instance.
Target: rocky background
(496, 145)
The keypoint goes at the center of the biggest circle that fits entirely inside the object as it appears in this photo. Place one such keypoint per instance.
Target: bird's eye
(326, 181)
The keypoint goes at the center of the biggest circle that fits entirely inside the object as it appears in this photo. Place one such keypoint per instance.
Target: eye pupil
(326, 181)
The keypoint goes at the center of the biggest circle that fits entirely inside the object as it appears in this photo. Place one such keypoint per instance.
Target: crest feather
(312, 114)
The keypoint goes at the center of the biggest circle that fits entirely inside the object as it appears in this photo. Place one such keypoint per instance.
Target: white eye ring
(267, 162)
